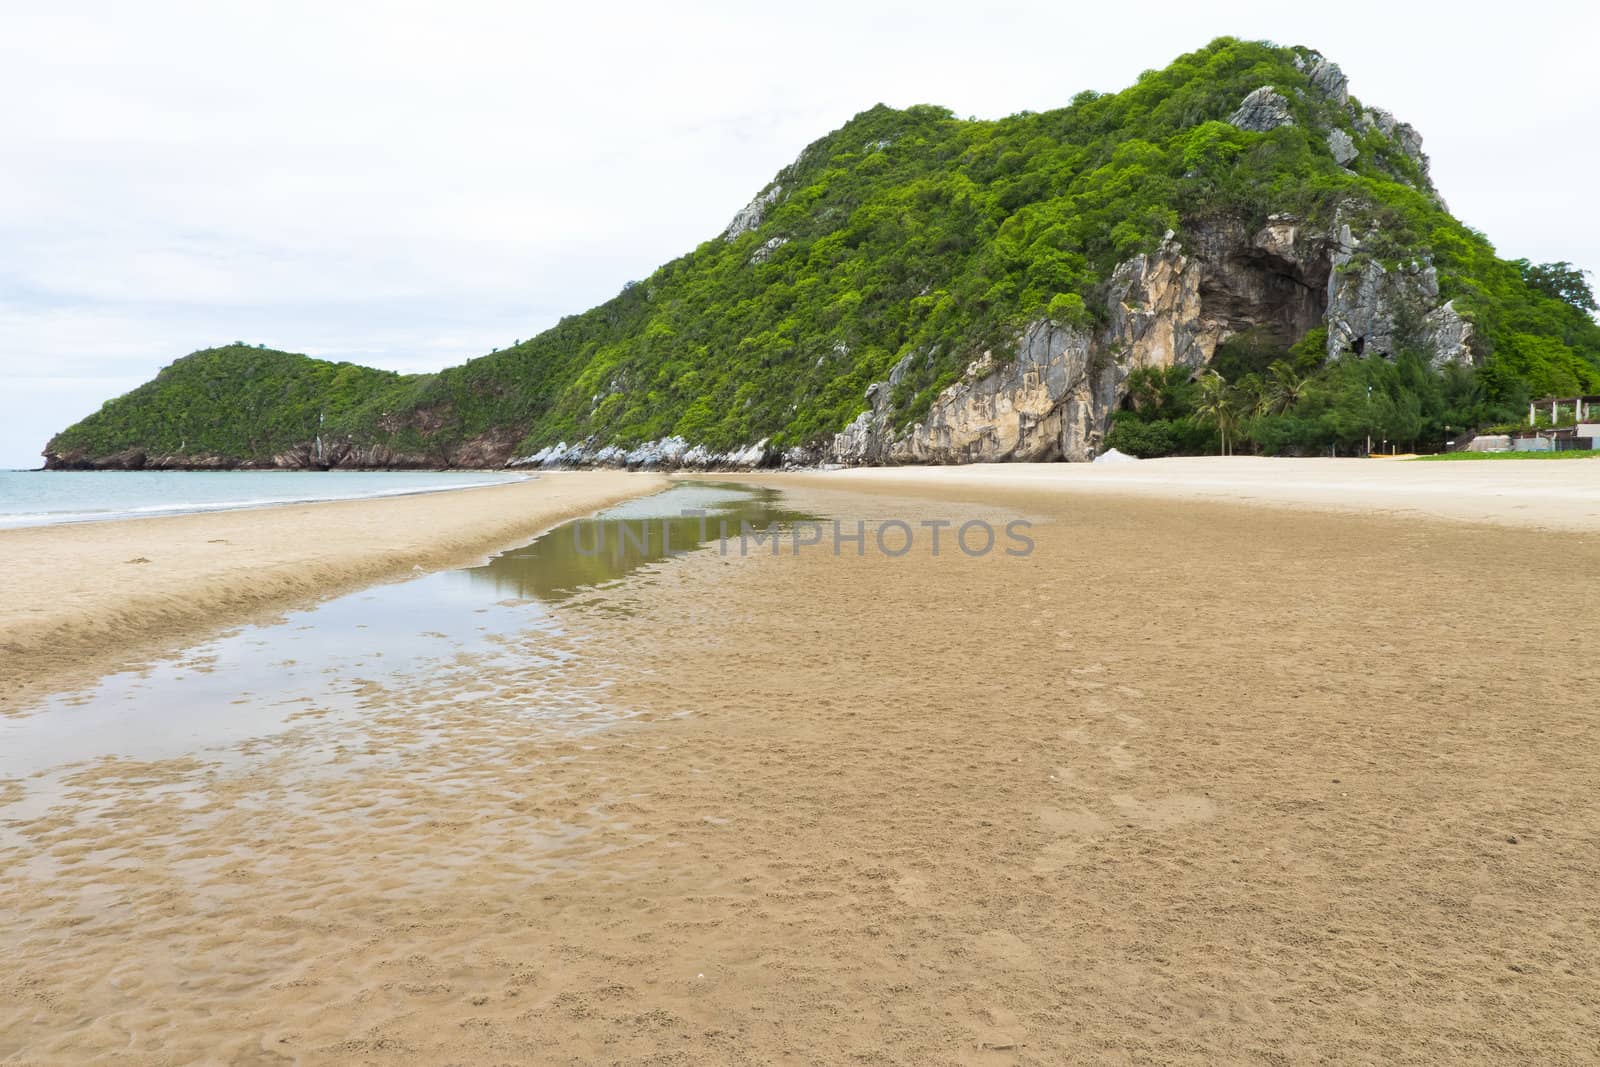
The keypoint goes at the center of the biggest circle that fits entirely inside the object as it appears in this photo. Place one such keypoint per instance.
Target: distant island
(1232, 253)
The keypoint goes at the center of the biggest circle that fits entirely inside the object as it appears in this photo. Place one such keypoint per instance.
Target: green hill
(1237, 203)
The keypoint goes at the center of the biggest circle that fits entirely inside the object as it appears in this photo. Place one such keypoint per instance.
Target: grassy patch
(1580, 453)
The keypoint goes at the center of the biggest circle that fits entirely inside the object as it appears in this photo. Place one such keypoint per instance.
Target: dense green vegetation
(1300, 405)
(916, 233)
(235, 401)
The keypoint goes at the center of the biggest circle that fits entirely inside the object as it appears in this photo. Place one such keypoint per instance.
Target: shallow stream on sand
(322, 664)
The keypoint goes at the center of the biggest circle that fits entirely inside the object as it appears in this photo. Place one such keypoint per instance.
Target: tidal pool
(258, 681)
(592, 553)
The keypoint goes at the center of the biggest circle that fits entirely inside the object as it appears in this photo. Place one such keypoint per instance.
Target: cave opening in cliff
(1269, 299)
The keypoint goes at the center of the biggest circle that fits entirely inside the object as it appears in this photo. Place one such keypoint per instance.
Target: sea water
(260, 680)
(43, 498)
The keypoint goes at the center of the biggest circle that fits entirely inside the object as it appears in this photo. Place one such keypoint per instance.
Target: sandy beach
(1542, 494)
(1197, 780)
(86, 598)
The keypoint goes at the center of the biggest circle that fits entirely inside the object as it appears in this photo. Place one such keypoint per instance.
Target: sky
(410, 185)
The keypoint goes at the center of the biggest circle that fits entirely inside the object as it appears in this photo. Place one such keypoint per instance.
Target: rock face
(1035, 406)
(1168, 308)
(1342, 146)
(1402, 134)
(1326, 78)
(1267, 109)
(1373, 308)
(1054, 399)
(750, 216)
(668, 453)
(764, 253)
(487, 451)
(1263, 110)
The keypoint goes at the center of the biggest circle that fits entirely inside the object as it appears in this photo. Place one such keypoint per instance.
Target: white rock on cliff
(1264, 109)
(750, 216)
(1342, 146)
(1055, 398)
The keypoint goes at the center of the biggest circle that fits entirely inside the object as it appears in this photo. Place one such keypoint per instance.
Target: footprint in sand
(1074, 828)
(913, 893)
(1167, 812)
(1081, 823)
(1117, 755)
(997, 1030)
(1006, 949)
(1067, 776)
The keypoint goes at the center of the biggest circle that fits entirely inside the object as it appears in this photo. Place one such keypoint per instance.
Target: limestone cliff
(1174, 306)
(1171, 307)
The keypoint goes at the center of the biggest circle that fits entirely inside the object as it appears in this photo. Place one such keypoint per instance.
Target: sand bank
(1547, 494)
(1189, 784)
(88, 597)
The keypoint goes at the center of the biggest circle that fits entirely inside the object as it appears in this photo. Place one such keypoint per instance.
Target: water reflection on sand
(438, 633)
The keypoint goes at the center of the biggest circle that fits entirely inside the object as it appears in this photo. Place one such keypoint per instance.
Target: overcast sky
(411, 185)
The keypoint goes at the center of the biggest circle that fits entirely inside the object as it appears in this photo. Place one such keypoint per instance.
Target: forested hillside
(901, 247)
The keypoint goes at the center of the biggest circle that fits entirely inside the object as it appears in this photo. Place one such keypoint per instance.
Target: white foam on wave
(192, 507)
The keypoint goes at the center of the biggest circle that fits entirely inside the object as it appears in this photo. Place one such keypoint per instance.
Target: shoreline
(93, 596)
(7, 521)
(90, 597)
(1539, 496)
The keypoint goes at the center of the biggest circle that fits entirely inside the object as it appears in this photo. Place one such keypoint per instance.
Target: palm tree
(1285, 387)
(1216, 404)
(1252, 396)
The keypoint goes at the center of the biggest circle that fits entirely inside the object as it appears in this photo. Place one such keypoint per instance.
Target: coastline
(85, 598)
(1542, 496)
(30, 520)
(89, 597)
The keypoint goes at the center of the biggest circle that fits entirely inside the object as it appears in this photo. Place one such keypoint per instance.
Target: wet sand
(86, 598)
(1192, 782)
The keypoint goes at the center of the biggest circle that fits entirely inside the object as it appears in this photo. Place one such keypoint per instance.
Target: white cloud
(411, 185)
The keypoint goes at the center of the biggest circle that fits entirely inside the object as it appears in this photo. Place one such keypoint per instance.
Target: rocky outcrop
(750, 216)
(1168, 308)
(1403, 134)
(1154, 304)
(1446, 336)
(1040, 405)
(1054, 398)
(136, 459)
(764, 253)
(488, 451)
(669, 453)
(1342, 146)
(1326, 78)
(1374, 309)
(1264, 109)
